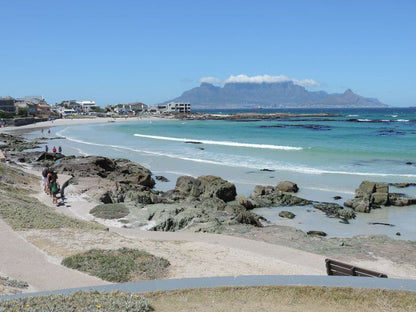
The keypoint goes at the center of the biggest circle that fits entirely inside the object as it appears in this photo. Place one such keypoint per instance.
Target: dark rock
(287, 186)
(120, 171)
(213, 186)
(316, 233)
(402, 185)
(409, 163)
(246, 217)
(369, 195)
(398, 234)
(335, 210)
(264, 196)
(206, 186)
(381, 223)
(247, 203)
(162, 179)
(267, 170)
(337, 197)
(286, 214)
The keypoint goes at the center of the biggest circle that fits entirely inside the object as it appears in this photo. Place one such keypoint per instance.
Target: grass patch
(282, 298)
(110, 211)
(122, 265)
(79, 301)
(22, 212)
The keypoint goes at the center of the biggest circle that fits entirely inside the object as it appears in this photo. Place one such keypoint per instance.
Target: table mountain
(270, 95)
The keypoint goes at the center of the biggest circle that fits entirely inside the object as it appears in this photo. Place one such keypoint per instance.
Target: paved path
(23, 261)
(259, 280)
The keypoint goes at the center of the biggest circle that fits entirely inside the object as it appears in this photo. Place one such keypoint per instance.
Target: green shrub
(110, 211)
(79, 301)
(120, 265)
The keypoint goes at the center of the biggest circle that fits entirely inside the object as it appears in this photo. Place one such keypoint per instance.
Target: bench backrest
(334, 267)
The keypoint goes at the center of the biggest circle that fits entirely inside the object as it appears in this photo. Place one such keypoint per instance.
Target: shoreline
(245, 253)
(309, 219)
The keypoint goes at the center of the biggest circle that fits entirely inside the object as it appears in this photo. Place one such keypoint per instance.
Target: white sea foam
(248, 164)
(402, 120)
(223, 143)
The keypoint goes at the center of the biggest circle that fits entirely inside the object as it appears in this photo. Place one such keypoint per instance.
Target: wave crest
(223, 143)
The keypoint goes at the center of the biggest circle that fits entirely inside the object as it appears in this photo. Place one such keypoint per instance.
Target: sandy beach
(190, 254)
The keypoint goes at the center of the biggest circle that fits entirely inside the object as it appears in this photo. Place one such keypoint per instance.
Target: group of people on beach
(54, 150)
(50, 184)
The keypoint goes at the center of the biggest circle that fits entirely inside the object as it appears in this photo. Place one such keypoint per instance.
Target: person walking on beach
(54, 188)
(54, 150)
(60, 149)
(46, 148)
(49, 178)
(45, 172)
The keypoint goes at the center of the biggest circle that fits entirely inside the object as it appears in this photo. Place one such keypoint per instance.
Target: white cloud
(211, 80)
(261, 79)
(306, 82)
(256, 79)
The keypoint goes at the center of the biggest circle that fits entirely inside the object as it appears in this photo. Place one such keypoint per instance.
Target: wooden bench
(342, 269)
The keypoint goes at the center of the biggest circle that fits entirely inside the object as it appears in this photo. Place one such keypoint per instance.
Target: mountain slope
(270, 95)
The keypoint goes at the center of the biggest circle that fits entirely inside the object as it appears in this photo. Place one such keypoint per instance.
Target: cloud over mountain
(260, 79)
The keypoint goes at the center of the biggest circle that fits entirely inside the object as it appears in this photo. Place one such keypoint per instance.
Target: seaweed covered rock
(286, 214)
(264, 196)
(335, 210)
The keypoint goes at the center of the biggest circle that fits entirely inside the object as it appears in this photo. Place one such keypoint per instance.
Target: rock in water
(286, 214)
(287, 186)
(316, 233)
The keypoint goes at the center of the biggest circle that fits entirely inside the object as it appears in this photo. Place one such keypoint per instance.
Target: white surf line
(223, 143)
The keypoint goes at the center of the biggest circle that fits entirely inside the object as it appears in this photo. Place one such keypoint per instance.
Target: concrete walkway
(253, 280)
(23, 261)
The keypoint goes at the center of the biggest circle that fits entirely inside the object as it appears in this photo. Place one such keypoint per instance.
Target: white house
(178, 107)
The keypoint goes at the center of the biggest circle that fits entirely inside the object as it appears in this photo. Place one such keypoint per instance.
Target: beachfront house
(87, 106)
(7, 105)
(178, 107)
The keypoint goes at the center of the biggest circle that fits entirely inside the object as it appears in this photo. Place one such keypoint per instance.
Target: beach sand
(190, 254)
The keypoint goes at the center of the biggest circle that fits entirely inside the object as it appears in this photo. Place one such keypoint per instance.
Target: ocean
(325, 156)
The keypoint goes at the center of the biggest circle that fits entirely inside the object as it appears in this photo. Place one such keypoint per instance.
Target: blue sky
(152, 51)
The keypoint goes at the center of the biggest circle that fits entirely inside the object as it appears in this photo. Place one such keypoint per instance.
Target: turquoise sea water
(325, 156)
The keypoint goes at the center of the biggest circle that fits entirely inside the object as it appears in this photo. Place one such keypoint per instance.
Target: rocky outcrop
(122, 180)
(264, 196)
(206, 187)
(120, 171)
(15, 143)
(373, 194)
(207, 216)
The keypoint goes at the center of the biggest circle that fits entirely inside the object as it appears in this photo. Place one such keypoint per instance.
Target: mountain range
(270, 95)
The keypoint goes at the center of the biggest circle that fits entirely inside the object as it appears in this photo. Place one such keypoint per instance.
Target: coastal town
(17, 111)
